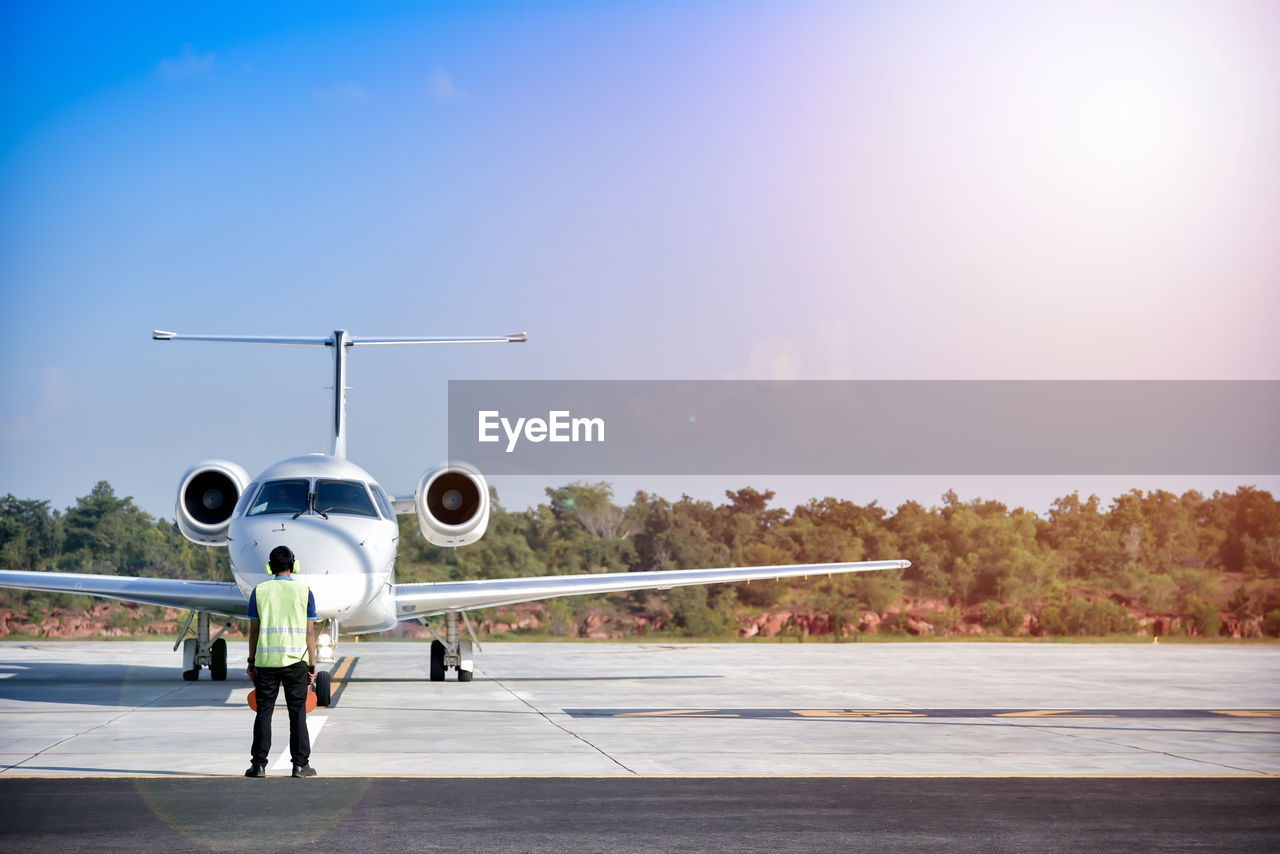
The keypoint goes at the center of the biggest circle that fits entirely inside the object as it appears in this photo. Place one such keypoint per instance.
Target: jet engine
(207, 496)
(452, 503)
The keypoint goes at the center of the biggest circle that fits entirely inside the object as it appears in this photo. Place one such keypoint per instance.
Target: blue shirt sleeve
(253, 605)
(311, 605)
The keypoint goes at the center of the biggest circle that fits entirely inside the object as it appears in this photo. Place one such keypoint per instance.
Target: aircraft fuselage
(339, 523)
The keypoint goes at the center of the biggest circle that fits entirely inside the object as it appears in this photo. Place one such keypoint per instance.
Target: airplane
(341, 525)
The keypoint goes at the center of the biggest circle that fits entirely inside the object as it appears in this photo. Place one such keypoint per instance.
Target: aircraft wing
(218, 597)
(425, 600)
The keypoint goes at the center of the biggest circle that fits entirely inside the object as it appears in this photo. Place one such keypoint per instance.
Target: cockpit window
(344, 496)
(384, 502)
(246, 497)
(280, 496)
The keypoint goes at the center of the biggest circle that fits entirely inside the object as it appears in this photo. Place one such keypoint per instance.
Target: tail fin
(340, 341)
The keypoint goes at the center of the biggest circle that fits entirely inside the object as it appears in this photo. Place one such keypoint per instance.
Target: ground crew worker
(282, 634)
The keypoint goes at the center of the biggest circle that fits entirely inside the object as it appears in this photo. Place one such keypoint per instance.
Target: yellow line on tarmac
(341, 670)
(1050, 713)
(344, 667)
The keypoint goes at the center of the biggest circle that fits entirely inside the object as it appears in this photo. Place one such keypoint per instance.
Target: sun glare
(1126, 126)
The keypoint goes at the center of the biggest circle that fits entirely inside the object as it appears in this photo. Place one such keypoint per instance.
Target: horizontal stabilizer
(160, 335)
(349, 340)
(340, 342)
(513, 338)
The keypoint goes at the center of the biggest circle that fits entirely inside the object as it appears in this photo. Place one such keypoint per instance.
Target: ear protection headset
(282, 555)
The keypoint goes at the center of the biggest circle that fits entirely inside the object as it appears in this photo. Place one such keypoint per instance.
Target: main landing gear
(201, 650)
(451, 652)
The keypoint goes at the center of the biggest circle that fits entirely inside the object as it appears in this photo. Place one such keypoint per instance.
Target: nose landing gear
(326, 654)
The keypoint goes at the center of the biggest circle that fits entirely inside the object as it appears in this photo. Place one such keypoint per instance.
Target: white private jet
(342, 527)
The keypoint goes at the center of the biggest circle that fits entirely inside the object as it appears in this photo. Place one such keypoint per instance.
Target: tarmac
(610, 747)
(667, 710)
(619, 815)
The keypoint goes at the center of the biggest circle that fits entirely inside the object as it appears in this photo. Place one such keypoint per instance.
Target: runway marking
(314, 724)
(890, 714)
(857, 713)
(1052, 713)
(679, 713)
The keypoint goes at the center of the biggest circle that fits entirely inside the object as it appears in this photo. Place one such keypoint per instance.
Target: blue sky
(921, 190)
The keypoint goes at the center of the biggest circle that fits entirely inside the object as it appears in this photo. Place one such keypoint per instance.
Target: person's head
(281, 560)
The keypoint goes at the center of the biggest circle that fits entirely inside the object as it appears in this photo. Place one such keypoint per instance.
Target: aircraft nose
(325, 551)
(343, 566)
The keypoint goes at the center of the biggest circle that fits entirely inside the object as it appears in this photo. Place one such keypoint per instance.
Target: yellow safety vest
(282, 622)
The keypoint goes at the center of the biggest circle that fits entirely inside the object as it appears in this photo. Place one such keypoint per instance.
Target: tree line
(1153, 561)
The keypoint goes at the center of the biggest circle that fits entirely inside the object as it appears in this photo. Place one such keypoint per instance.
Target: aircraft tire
(437, 661)
(191, 675)
(324, 688)
(218, 664)
(464, 675)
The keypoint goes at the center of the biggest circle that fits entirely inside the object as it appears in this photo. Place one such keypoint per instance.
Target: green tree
(1204, 617)
(1077, 532)
(107, 531)
(30, 535)
(697, 614)
(1252, 538)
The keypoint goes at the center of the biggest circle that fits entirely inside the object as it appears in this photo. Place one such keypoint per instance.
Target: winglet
(517, 337)
(161, 335)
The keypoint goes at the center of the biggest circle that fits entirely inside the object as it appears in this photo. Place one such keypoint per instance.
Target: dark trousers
(267, 682)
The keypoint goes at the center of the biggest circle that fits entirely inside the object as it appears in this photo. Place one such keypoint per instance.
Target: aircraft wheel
(324, 688)
(191, 675)
(464, 675)
(218, 665)
(437, 661)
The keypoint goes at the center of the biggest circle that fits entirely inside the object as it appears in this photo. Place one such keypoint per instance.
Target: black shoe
(303, 771)
(256, 770)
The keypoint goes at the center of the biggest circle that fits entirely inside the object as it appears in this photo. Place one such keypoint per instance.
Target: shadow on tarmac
(95, 771)
(481, 677)
(115, 685)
